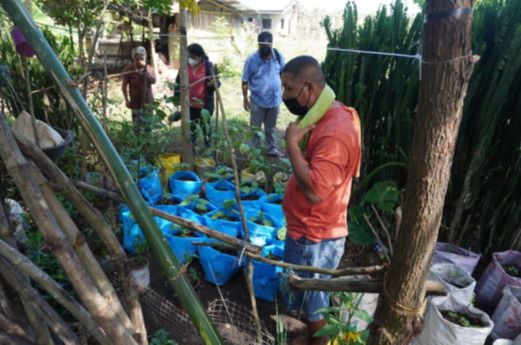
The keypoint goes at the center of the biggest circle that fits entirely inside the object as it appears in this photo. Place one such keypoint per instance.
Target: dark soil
(186, 179)
(462, 319)
(251, 197)
(221, 189)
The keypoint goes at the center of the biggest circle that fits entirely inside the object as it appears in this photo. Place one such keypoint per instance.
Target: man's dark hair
(197, 50)
(265, 36)
(303, 68)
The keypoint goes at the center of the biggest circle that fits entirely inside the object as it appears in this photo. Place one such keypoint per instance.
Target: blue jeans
(268, 117)
(324, 254)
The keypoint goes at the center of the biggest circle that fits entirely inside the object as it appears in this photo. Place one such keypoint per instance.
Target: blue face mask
(294, 107)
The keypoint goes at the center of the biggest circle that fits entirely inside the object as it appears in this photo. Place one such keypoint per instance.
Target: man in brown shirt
(134, 86)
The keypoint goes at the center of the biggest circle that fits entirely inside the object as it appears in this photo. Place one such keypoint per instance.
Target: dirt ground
(235, 290)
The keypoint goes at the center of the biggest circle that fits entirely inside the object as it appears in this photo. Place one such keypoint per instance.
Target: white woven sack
(453, 277)
(437, 330)
(47, 136)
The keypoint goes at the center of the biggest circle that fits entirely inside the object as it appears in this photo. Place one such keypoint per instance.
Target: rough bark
(56, 241)
(95, 220)
(447, 65)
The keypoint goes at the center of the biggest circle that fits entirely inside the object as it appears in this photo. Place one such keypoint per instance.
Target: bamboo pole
(39, 327)
(113, 162)
(55, 322)
(12, 340)
(8, 326)
(56, 241)
(433, 288)
(95, 220)
(81, 247)
(22, 264)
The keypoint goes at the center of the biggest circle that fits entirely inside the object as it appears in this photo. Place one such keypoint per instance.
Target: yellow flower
(347, 338)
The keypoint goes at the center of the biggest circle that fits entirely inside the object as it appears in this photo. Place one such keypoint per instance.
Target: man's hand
(127, 103)
(246, 104)
(294, 134)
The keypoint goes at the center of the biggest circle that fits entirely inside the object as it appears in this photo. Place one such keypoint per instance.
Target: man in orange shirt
(323, 146)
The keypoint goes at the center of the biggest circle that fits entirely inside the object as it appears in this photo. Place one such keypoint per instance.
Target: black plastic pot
(56, 152)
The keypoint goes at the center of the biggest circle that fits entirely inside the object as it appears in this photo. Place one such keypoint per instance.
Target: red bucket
(21, 45)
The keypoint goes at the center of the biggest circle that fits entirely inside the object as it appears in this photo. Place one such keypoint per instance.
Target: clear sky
(364, 6)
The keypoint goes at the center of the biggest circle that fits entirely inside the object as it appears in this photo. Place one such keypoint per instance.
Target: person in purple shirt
(261, 75)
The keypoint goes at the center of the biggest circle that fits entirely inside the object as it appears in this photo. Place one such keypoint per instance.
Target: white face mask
(193, 62)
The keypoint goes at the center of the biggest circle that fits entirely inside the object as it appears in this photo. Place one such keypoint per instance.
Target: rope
(400, 307)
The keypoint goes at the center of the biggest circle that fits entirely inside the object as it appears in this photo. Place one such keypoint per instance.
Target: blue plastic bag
(270, 205)
(132, 236)
(251, 200)
(260, 234)
(151, 187)
(184, 183)
(183, 247)
(229, 227)
(266, 281)
(218, 267)
(219, 191)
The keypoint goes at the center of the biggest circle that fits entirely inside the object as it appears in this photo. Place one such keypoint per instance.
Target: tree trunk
(447, 65)
(186, 147)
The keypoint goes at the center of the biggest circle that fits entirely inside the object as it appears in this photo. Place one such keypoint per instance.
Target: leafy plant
(261, 218)
(142, 248)
(160, 338)
(461, 319)
(345, 333)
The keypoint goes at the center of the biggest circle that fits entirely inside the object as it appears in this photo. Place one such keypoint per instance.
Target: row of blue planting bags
(218, 267)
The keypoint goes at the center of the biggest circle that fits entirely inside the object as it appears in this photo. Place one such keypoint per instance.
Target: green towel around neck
(321, 106)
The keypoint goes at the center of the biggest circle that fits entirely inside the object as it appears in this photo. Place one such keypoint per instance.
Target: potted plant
(449, 321)
(502, 271)
(458, 282)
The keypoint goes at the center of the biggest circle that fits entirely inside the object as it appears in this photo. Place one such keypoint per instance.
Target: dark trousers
(206, 126)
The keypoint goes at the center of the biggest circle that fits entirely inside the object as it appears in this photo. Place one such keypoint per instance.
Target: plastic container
(184, 183)
(57, 152)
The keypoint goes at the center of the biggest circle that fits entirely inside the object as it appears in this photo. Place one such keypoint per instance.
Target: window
(282, 23)
(266, 23)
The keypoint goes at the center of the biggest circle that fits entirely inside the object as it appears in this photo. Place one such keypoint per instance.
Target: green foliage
(461, 319)
(383, 195)
(345, 333)
(40, 255)
(485, 187)
(382, 89)
(160, 338)
(47, 104)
